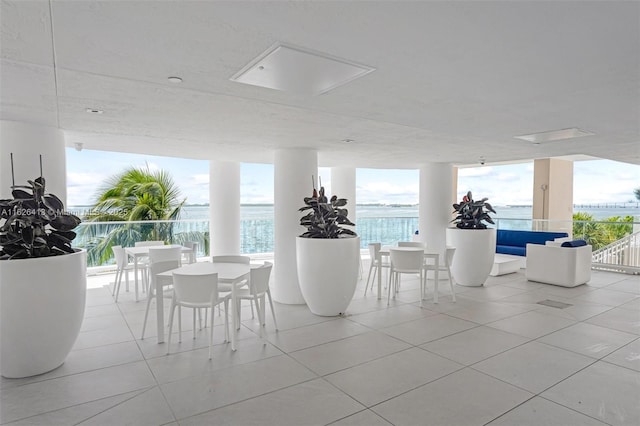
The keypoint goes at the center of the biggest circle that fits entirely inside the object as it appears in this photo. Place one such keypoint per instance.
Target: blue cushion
(515, 250)
(574, 243)
(507, 237)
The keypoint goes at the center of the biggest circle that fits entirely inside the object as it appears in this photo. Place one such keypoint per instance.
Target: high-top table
(140, 252)
(428, 254)
(236, 274)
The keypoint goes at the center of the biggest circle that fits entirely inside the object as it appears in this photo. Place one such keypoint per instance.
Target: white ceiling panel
(454, 80)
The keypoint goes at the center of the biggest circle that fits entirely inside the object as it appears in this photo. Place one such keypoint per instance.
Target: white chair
(197, 291)
(412, 244)
(258, 288)
(191, 257)
(148, 243)
(374, 250)
(407, 261)
(122, 267)
(145, 261)
(446, 267)
(161, 259)
(229, 258)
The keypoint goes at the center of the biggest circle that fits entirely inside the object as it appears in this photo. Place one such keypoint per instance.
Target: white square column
(293, 171)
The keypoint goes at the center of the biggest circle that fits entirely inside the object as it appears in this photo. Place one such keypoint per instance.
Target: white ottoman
(505, 264)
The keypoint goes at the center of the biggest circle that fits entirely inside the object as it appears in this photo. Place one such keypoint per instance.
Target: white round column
(293, 169)
(436, 186)
(224, 207)
(27, 142)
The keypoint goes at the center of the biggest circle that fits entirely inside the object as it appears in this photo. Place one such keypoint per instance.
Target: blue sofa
(515, 242)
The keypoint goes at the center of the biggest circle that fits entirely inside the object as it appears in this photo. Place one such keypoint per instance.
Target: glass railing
(257, 233)
(98, 237)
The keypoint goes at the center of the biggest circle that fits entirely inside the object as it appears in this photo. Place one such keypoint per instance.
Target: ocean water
(386, 224)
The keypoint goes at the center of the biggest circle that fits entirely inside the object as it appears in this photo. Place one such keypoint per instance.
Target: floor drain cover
(554, 304)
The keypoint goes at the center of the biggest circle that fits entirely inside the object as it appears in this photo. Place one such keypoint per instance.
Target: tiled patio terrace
(495, 357)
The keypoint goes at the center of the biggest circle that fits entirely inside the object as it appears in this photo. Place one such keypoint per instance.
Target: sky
(597, 181)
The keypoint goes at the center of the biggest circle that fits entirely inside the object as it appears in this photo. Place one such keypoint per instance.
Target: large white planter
(475, 252)
(41, 310)
(328, 272)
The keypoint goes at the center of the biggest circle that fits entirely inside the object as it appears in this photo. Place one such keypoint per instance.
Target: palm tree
(136, 194)
(636, 192)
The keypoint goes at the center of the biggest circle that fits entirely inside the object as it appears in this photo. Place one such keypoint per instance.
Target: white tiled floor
(495, 357)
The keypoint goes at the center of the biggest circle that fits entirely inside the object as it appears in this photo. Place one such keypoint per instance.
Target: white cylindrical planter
(328, 273)
(224, 207)
(41, 310)
(475, 252)
(27, 142)
(293, 169)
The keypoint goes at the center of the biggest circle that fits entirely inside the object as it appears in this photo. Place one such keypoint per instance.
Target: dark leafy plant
(471, 214)
(326, 217)
(34, 223)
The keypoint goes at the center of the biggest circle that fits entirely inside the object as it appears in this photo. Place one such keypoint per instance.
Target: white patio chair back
(122, 267)
(406, 261)
(197, 291)
(412, 244)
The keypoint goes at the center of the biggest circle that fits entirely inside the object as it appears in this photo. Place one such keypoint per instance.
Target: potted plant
(475, 243)
(42, 281)
(328, 255)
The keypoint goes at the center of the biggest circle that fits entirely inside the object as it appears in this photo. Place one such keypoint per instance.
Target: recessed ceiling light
(348, 140)
(554, 135)
(94, 111)
(175, 80)
(298, 70)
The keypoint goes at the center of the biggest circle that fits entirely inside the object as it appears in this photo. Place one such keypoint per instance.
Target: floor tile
(87, 360)
(102, 337)
(75, 414)
(147, 408)
(578, 311)
(618, 319)
(463, 398)
(608, 297)
(288, 317)
(627, 286)
(604, 391)
(533, 366)
(315, 334)
(628, 356)
(196, 363)
(540, 412)
(335, 356)
(362, 418)
(476, 344)
(588, 339)
(36, 398)
(490, 293)
(387, 377)
(424, 330)
(391, 316)
(531, 324)
(485, 312)
(314, 402)
(196, 395)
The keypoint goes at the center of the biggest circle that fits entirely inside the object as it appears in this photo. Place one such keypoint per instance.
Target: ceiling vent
(554, 135)
(299, 71)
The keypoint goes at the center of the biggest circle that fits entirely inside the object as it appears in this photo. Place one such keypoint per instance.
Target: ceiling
(454, 81)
